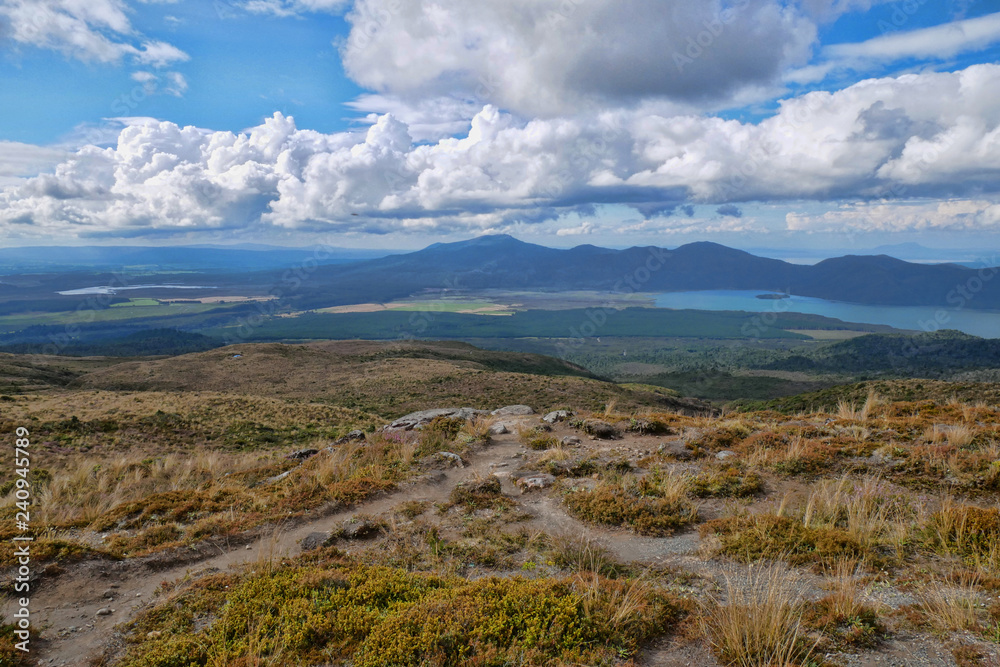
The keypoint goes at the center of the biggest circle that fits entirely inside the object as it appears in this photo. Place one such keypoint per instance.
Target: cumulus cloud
(92, 31)
(536, 58)
(918, 135)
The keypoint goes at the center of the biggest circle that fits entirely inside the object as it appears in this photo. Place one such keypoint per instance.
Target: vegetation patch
(726, 482)
(754, 537)
(327, 610)
(649, 505)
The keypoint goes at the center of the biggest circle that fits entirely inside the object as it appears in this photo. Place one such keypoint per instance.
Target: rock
(108, 594)
(557, 416)
(417, 420)
(451, 457)
(571, 441)
(513, 411)
(725, 455)
(359, 529)
(278, 478)
(676, 449)
(499, 428)
(533, 481)
(302, 454)
(105, 611)
(353, 436)
(601, 430)
(313, 541)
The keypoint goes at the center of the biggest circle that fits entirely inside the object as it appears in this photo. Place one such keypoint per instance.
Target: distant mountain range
(177, 258)
(503, 262)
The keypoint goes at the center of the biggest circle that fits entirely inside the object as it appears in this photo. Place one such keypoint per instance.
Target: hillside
(387, 379)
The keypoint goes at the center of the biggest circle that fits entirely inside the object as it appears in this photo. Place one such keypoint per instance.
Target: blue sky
(375, 123)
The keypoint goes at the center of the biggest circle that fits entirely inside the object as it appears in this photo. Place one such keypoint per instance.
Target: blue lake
(921, 318)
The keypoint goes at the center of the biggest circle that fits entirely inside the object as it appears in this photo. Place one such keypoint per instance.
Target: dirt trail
(66, 608)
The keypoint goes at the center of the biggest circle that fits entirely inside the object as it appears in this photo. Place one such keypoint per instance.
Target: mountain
(178, 258)
(503, 262)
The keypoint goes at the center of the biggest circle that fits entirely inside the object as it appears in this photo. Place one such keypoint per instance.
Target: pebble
(105, 611)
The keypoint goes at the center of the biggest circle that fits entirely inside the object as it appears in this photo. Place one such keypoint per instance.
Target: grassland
(843, 531)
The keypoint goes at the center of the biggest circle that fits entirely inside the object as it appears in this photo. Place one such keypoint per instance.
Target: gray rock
(359, 529)
(105, 611)
(499, 428)
(302, 454)
(313, 541)
(674, 448)
(451, 457)
(278, 478)
(601, 430)
(514, 411)
(571, 441)
(557, 416)
(418, 420)
(725, 455)
(535, 481)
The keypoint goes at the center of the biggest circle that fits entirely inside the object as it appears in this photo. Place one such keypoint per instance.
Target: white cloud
(941, 41)
(17, 159)
(160, 54)
(948, 215)
(918, 135)
(284, 8)
(91, 31)
(928, 44)
(540, 58)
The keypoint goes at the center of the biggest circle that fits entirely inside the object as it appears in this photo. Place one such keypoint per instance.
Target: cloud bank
(917, 135)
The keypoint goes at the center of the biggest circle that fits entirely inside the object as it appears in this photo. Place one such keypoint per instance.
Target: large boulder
(514, 411)
(418, 420)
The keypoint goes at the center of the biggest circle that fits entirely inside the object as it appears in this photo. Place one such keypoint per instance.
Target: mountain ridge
(504, 262)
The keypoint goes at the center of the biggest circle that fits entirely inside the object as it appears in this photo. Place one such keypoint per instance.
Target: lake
(975, 322)
(107, 289)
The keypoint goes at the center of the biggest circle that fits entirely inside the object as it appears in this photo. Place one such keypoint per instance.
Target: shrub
(650, 505)
(726, 482)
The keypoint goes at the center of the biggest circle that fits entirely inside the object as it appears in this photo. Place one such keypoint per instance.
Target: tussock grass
(760, 622)
(949, 606)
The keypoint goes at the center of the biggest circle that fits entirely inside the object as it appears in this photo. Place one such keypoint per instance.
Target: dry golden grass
(949, 606)
(760, 622)
(865, 509)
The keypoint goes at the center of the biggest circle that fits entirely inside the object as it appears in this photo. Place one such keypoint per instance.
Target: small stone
(725, 455)
(354, 529)
(105, 611)
(302, 454)
(556, 416)
(500, 428)
(571, 441)
(313, 540)
(533, 482)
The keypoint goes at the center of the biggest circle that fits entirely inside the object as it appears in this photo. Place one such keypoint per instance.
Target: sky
(811, 124)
